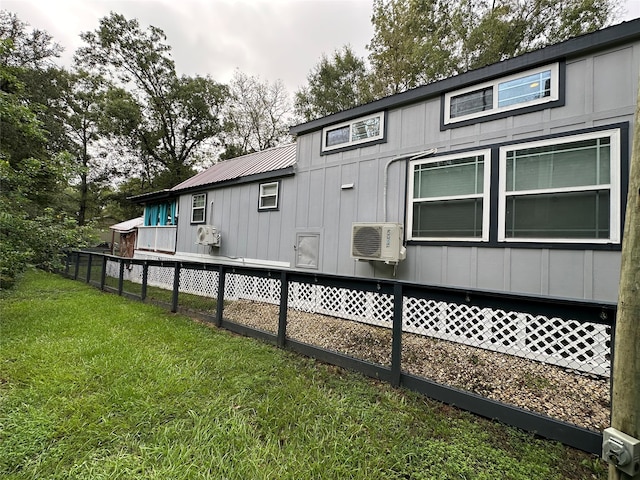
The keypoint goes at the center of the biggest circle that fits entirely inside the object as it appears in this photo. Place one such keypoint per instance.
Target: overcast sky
(271, 39)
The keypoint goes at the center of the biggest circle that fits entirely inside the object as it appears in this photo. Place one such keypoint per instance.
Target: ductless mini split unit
(378, 241)
(207, 235)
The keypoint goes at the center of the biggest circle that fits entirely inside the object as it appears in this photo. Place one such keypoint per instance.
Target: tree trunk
(625, 401)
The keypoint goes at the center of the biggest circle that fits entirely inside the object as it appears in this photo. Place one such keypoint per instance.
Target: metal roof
(269, 160)
(128, 225)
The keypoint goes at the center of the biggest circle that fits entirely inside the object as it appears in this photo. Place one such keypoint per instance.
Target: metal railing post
(89, 267)
(396, 337)
(284, 305)
(145, 279)
(121, 277)
(66, 264)
(77, 266)
(220, 300)
(176, 287)
(103, 275)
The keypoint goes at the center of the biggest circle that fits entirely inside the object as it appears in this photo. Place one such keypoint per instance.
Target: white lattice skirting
(557, 341)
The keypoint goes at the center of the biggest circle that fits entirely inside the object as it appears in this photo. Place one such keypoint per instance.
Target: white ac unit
(207, 235)
(378, 241)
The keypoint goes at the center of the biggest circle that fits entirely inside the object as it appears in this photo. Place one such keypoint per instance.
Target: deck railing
(157, 239)
(474, 340)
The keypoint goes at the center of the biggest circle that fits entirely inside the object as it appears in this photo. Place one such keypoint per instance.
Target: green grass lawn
(99, 387)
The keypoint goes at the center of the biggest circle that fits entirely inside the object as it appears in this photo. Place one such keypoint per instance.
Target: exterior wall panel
(614, 79)
(526, 270)
(331, 214)
(566, 273)
(600, 90)
(490, 269)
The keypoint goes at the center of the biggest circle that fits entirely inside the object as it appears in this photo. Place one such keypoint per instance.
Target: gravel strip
(553, 391)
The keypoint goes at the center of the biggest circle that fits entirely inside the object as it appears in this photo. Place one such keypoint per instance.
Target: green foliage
(32, 233)
(336, 83)
(417, 42)
(412, 44)
(35, 169)
(27, 49)
(96, 386)
(36, 242)
(21, 129)
(167, 119)
(29, 91)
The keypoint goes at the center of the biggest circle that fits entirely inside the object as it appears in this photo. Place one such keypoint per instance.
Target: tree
(420, 41)
(257, 117)
(85, 109)
(336, 83)
(625, 398)
(177, 115)
(28, 56)
(412, 44)
(489, 34)
(34, 226)
(30, 49)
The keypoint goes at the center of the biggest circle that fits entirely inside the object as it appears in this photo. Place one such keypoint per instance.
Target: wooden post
(625, 399)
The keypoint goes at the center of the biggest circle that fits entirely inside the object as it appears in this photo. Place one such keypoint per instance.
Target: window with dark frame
(268, 197)
(561, 189)
(533, 87)
(449, 197)
(353, 133)
(198, 207)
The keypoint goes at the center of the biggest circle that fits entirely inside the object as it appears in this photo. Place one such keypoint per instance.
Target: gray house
(511, 178)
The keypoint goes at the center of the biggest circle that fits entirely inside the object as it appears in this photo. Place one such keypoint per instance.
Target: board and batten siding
(600, 90)
(247, 234)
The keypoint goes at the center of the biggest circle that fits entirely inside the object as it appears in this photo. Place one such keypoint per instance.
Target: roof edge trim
(590, 42)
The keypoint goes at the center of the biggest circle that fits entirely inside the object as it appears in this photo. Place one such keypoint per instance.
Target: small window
(561, 190)
(533, 87)
(353, 133)
(472, 102)
(525, 89)
(269, 196)
(449, 197)
(198, 207)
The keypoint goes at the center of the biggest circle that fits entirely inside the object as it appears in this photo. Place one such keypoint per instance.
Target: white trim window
(198, 207)
(449, 197)
(268, 197)
(354, 132)
(533, 87)
(561, 190)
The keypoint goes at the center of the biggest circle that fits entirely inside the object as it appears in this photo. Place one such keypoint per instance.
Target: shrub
(38, 242)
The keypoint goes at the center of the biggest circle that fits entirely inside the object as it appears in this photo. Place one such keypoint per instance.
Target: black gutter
(152, 196)
(256, 177)
(171, 193)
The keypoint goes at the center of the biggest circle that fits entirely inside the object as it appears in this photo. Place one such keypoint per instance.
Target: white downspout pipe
(410, 156)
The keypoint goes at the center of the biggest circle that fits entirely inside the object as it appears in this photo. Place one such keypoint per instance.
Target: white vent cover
(378, 241)
(207, 235)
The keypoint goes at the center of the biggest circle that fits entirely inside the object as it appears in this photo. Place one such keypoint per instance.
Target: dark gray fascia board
(283, 172)
(151, 196)
(591, 42)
